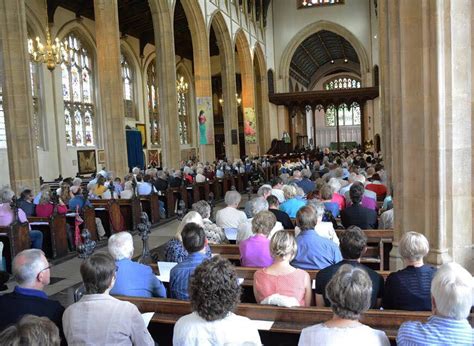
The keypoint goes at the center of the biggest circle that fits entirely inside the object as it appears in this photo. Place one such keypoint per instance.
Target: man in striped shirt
(451, 294)
(194, 241)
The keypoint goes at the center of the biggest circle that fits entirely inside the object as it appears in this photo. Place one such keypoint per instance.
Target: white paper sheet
(262, 325)
(231, 233)
(313, 285)
(100, 208)
(147, 316)
(165, 269)
(71, 214)
(38, 223)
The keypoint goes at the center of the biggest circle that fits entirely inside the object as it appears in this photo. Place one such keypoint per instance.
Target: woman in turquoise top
(202, 128)
(292, 204)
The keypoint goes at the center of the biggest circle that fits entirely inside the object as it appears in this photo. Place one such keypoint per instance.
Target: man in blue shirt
(451, 294)
(314, 251)
(194, 241)
(132, 278)
(32, 273)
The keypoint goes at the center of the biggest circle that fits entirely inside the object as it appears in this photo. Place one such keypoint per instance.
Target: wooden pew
(216, 188)
(201, 191)
(88, 217)
(15, 238)
(150, 205)
(121, 214)
(287, 322)
(54, 234)
(172, 195)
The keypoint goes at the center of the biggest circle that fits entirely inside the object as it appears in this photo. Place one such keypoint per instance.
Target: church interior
(180, 88)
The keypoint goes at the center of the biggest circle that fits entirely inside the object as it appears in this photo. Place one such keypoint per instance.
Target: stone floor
(65, 276)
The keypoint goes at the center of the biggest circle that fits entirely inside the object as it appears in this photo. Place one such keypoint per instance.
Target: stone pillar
(426, 54)
(166, 71)
(231, 119)
(110, 85)
(17, 100)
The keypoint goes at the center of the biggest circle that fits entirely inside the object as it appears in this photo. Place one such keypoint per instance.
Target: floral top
(175, 251)
(214, 233)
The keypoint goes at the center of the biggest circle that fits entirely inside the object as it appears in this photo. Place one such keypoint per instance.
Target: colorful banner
(250, 125)
(205, 120)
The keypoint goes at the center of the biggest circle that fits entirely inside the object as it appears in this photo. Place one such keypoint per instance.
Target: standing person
(194, 241)
(214, 293)
(31, 271)
(349, 293)
(109, 321)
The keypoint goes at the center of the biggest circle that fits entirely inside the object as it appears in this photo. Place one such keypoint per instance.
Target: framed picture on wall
(142, 129)
(101, 156)
(86, 161)
(153, 158)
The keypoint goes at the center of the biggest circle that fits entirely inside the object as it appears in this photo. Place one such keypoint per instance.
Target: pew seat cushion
(193, 330)
(359, 334)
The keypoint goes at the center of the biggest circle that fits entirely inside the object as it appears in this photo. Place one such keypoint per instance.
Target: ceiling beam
(309, 55)
(325, 48)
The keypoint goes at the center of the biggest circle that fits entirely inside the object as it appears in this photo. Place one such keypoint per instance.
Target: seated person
(78, 202)
(231, 216)
(146, 187)
(280, 277)
(31, 330)
(174, 249)
(292, 204)
(132, 278)
(127, 192)
(44, 187)
(281, 216)
(386, 218)
(45, 208)
(353, 245)
(200, 177)
(109, 321)
(118, 185)
(326, 198)
(65, 192)
(215, 293)
(376, 186)
(314, 251)
(451, 294)
(409, 289)
(99, 187)
(255, 251)
(324, 228)
(357, 215)
(277, 184)
(349, 293)
(26, 202)
(31, 271)
(255, 206)
(7, 217)
(194, 241)
(214, 233)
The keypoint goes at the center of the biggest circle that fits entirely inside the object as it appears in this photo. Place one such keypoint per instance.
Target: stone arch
(284, 68)
(33, 22)
(133, 61)
(248, 91)
(261, 98)
(77, 27)
(224, 42)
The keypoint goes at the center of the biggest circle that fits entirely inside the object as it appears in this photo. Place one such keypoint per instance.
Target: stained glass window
(346, 116)
(316, 3)
(330, 116)
(127, 79)
(342, 83)
(35, 94)
(78, 95)
(183, 117)
(153, 103)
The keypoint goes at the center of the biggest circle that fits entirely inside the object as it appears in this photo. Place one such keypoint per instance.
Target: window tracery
(153, 103)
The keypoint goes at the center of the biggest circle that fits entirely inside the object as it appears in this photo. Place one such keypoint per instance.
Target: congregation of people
(287, 229)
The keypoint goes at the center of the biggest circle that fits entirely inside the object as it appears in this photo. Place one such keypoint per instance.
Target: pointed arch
(284, 68)
(261, 96)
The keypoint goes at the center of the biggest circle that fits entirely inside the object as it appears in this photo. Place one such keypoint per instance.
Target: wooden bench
(151, 206)
(15, 238)
(54, 234)
(171, 198)
(118, 214)
(283, 324)
(88, 217)
(201, 191)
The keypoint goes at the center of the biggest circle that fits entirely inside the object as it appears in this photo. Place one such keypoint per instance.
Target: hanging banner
(205, 120)
(250, 126)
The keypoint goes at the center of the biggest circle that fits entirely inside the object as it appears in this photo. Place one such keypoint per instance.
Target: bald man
(32, 273)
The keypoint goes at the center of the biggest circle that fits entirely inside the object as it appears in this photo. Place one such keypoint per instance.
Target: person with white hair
(31, 271)
(231, 216)
(200, 177)
(174, 248)
(127, 192)
(291, 204)
(305, 182)
(409, 289)
(132, 278)
(256, 205)
(451, 295)
(264, 191)
(367, 193)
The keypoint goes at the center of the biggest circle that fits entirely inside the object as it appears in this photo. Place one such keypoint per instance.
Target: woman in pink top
(255, 251)
(45, 208)
(281, 278)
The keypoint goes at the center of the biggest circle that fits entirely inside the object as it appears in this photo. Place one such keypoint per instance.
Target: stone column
(427, 45)
(231, 120)
(110, 85)
(17, 100)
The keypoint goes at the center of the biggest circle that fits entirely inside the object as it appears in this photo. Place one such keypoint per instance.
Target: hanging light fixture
(182, 87)
(52, 53)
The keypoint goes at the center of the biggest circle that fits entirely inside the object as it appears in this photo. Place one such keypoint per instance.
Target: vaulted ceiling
(135, 20)
(319, 50)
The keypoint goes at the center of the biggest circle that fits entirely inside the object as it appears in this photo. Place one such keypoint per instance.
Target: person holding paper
(132, 278)
(194, 241)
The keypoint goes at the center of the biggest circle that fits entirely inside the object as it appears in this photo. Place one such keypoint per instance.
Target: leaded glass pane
(153, 105)
(356, 113)
(340, 114)
(342, 83)
(330, 116)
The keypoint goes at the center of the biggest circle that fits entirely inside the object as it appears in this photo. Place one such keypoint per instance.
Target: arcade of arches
(224, 78)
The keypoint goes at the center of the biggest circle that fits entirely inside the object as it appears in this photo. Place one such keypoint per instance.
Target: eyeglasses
(42, 270)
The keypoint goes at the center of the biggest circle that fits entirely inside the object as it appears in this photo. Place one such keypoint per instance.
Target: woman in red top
(45, 208)
(281, 278)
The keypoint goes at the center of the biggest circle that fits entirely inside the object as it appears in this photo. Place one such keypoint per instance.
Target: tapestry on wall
(86, 161)
(205, 120)
(250, 126)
